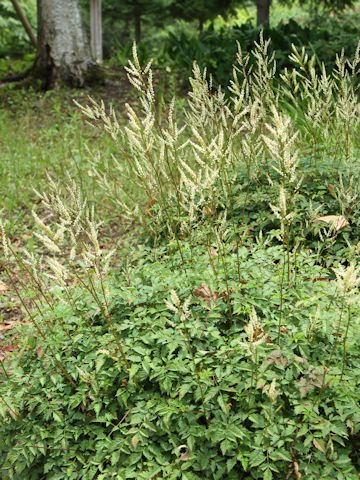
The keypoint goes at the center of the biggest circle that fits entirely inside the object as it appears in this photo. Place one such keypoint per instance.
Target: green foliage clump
(216, 48)
(201, 10)
(206, 390)
(13, 38)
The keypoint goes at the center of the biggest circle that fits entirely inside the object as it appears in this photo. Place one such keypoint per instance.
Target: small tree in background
(263, 13)
(201, 10)
(132, 12)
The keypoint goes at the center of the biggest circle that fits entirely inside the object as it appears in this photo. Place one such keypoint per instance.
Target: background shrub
(216, 48)
(13, 38)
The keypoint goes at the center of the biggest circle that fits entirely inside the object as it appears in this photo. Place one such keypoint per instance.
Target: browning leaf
(135, 440)
(276, 358)
(40, 352)
(184, 452)
(297, 473)
(318, 445)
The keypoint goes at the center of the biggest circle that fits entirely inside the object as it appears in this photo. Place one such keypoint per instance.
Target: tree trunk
(201, 25)
(96, 30)
(63, 53)
(137, 21)
(263, 12)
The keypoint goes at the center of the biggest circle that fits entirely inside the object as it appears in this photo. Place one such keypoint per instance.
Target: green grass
(41, 135)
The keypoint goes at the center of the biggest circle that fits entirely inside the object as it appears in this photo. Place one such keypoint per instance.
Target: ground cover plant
(224, 343)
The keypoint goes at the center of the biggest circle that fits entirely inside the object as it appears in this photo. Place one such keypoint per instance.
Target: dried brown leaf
(304, 387)
(321, 279)
(150, 203)
(297, 471)
(205, 292)
(40, 352)
(184, 452)
(208, 210)
(331, 190)
(336, 221)
(276, 358)
(9, 348)
(7, 326)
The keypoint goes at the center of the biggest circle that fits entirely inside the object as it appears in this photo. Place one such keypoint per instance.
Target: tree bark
(263, 13)
(63, 53)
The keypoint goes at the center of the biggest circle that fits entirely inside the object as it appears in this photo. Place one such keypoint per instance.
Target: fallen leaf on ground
(3, 287)
(9, 348)
(7, 326)
(336, 221)
(6, 348)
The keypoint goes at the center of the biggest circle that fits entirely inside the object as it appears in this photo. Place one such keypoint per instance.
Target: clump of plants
(223, 344)
(261, 386)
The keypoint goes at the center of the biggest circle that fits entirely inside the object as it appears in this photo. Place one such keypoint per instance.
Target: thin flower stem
(4, 369)
(39, 330)
(282, 277)
(344, 341)
(8, 406)
(91, 289)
